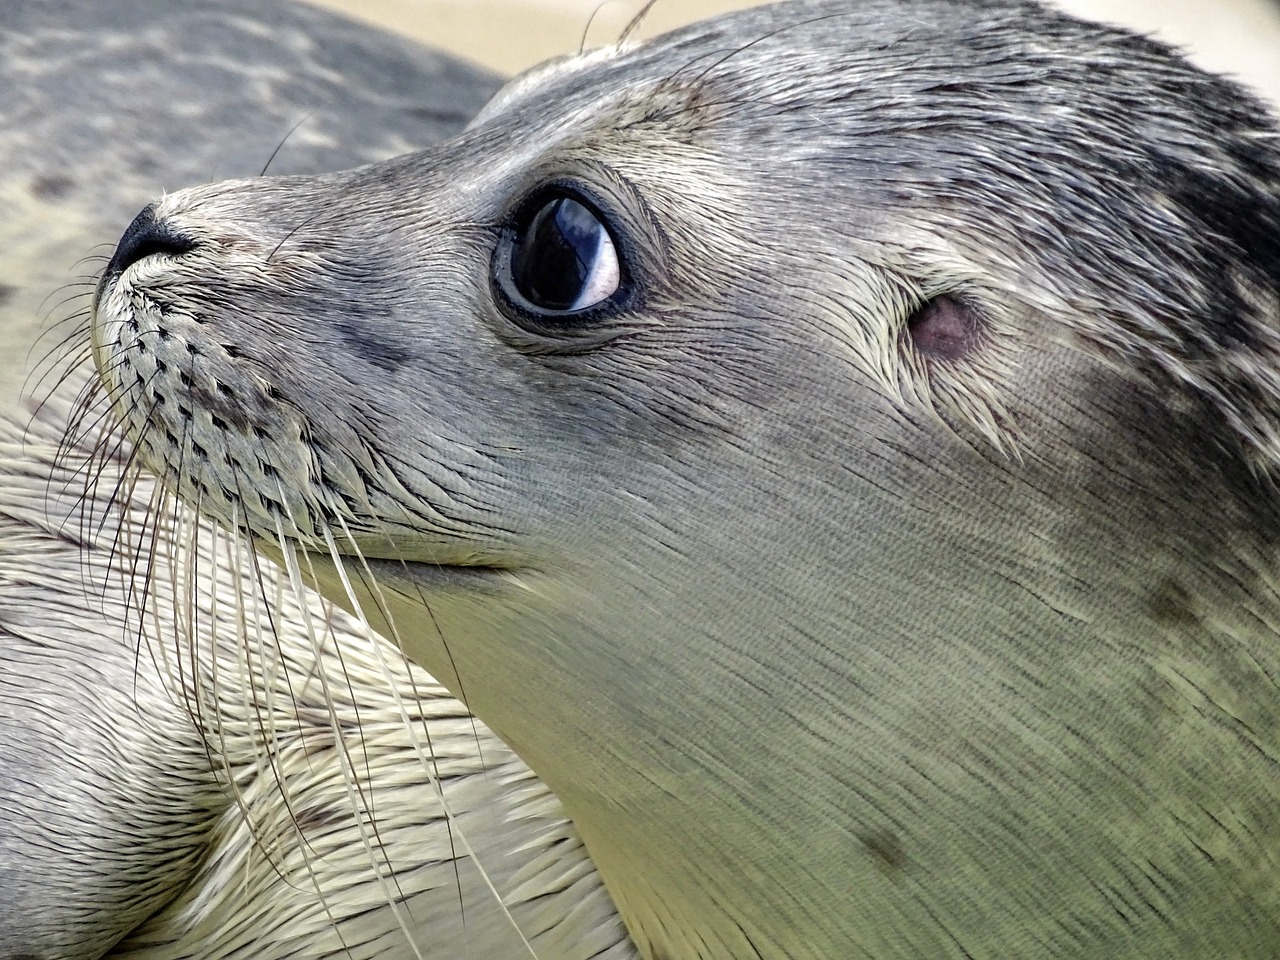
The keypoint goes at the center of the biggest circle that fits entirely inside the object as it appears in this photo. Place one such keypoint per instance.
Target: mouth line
(422, 574)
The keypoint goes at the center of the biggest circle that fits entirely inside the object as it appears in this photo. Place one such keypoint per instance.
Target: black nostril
(145, 236)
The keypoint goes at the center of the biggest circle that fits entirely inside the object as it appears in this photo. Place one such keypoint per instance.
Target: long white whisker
(432, 774)
(355, 796)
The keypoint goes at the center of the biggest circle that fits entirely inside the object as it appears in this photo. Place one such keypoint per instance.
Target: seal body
(272, 775)
(833, 445)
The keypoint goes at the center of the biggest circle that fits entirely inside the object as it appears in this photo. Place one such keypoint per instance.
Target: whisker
(635, 23)
(430, 768)
(285, 139)
(355, 794)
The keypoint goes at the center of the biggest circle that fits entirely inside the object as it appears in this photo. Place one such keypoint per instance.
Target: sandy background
(1241, 37)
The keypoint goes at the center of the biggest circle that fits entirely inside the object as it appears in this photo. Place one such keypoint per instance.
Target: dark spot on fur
(320, 817)
(384, 352)
(220, 401)
(944, 328)
(51, 186)
(1240, 239)
(7, 292)
(886, 847)
(1174, 606)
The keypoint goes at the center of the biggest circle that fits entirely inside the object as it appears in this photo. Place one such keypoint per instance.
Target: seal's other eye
(563, 258)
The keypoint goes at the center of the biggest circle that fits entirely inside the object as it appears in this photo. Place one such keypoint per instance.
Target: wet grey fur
(833, 644)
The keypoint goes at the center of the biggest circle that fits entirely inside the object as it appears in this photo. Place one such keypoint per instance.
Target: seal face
(832, 444)
(142, 750)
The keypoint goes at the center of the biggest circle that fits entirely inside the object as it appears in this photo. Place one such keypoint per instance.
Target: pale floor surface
(1240, 37)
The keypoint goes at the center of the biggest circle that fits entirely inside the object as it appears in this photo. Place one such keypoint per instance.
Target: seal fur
(888, 569)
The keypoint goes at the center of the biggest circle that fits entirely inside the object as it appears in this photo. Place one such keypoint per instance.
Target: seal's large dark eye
(563, 258)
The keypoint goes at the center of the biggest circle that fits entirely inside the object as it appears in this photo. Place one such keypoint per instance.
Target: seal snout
(146, 236)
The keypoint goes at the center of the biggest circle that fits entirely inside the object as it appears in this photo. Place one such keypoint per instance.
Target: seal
(833, 445)
(168, 789)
